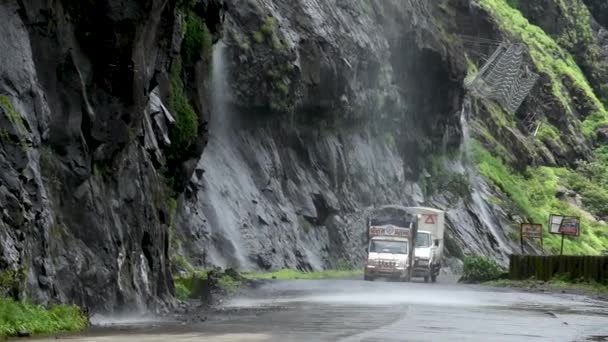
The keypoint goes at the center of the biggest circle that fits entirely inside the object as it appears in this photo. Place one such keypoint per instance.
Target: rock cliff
(137, 137)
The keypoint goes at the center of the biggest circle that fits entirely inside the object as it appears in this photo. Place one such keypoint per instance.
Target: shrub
(269, 26)
(12, 283)
(258, 37)
(200, 284)
(181, 291)
(479, 269)
(228, 284)
(197, 40)
(35, 319)
(185, 131)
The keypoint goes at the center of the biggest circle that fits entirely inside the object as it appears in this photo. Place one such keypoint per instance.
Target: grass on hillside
(534, 195)
(549, 58)
(16, 317)
(286, 274)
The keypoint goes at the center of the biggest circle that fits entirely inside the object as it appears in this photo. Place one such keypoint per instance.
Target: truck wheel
(426, 279)
(434, 278)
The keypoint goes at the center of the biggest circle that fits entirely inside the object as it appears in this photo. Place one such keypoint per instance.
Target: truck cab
(390, 249)
(387, 258)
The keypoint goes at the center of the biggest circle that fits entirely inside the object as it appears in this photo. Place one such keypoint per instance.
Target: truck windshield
(393, 247)
(423, 240)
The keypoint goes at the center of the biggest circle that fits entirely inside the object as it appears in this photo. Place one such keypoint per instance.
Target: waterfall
(221, 117)
(478, 189)
(224, 186)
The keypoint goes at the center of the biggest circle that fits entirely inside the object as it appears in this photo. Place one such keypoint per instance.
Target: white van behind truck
(429, 242)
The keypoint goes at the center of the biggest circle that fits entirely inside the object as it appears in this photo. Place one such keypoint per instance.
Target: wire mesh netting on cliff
(504, 77)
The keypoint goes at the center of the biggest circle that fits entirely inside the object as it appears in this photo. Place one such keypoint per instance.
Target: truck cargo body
(429, 243)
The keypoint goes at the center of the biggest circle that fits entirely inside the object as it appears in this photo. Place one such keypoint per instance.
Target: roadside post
(531, 231)
(564, 225)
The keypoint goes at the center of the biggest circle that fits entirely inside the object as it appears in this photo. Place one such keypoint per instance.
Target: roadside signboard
(570, 226)
(564, 225)
(555, 222)
(531, 231)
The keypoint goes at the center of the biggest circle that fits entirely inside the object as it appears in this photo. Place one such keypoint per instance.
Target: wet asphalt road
(354, 310)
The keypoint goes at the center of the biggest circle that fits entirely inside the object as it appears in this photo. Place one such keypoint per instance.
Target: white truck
(429, 242)
(390, 249)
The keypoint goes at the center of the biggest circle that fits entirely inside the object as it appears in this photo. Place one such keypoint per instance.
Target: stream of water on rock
(224, 173)
(478, 188)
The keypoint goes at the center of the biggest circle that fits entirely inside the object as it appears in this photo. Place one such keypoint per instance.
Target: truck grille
(386, 264)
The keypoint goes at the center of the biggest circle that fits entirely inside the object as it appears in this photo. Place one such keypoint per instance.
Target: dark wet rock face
(121, 145)
(84, 202)
(330, 109)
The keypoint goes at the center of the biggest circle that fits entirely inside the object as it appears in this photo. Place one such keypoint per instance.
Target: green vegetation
(499, 115)
(228, 283)
(258, 37)
(548, 57)
(593, 122)
(199, 283)
(11, 113)
(268, 32)
(479, 269)
(180, 262)
(12, 283)
(269, 27)
(185, 131)
(282, 87)
(279, 97)
(591, 181)
(182, 292)
(534, 195)
(197, 40)
(547, 131)
(287, 274)
(443, 180)
(16, 317)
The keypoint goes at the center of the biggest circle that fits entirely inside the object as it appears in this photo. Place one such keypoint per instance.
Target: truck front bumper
(422, 271)
(393, 273)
